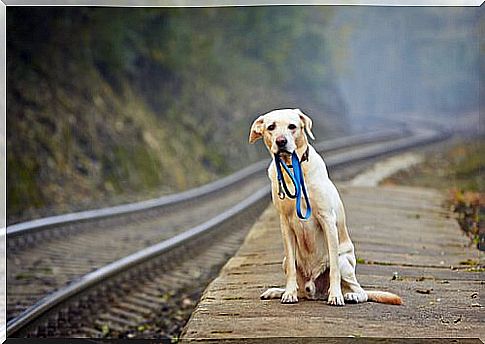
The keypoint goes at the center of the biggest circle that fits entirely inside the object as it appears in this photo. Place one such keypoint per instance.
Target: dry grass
(469, 206)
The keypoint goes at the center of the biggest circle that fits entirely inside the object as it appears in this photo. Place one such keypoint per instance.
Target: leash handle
(298, 182)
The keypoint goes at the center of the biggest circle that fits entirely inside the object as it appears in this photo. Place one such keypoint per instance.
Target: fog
(400, 60)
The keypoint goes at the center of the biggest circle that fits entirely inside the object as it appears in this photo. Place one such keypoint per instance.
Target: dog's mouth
(283, 151)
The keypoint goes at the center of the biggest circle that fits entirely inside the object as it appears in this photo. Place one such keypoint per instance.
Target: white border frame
(142, 3)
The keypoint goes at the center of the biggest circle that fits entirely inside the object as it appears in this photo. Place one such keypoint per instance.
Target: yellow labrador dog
(319, 258)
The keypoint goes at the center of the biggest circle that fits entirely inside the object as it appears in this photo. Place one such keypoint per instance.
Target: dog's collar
(304, 157)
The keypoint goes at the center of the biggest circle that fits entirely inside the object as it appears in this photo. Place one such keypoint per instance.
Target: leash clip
(281, 193)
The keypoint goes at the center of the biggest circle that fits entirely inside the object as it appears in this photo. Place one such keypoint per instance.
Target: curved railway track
(47, 254)
(131, 275)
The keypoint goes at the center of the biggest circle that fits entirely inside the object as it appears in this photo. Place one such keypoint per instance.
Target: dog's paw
(289, 297)
(272, 293)
(355, 297)
(336, 299)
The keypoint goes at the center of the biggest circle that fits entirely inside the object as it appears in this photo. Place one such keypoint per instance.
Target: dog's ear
(307, 123)
(256, 130)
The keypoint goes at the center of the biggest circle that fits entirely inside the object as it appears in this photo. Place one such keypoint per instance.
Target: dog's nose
(281, 141)
(308, 289)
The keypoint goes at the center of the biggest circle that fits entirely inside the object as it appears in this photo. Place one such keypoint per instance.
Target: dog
(319, 260)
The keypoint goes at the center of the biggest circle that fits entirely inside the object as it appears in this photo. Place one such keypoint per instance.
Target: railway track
(124, 286)
(47, 254)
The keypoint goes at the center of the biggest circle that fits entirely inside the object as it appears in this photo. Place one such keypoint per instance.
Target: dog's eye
(271, 127)
(292, 126)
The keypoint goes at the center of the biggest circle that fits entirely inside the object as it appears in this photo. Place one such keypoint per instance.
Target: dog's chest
(285, 206)
(306, 233)
(311, 248)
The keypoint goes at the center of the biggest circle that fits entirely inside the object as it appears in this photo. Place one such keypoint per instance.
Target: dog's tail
(383, 297)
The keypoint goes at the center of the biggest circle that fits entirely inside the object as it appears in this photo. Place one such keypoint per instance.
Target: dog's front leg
(328, 221)
(291, 289)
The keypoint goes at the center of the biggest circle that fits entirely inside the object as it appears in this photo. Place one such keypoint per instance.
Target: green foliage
(114, 104)
(119, 170)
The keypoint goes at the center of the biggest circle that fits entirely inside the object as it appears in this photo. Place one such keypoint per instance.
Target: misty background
(112, 105)
(410, 59)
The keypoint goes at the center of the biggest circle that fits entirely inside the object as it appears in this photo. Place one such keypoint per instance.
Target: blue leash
(298, 182)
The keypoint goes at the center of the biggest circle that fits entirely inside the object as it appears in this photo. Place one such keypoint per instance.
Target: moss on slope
(110, 105)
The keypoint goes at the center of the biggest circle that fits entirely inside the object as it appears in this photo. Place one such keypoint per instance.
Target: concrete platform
(406, 242)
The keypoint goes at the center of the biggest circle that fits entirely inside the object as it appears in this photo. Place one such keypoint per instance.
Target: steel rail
(192, 194)
(123, 264)
(418, 138)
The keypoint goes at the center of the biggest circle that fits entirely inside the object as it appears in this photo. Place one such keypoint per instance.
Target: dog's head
(283, 131)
